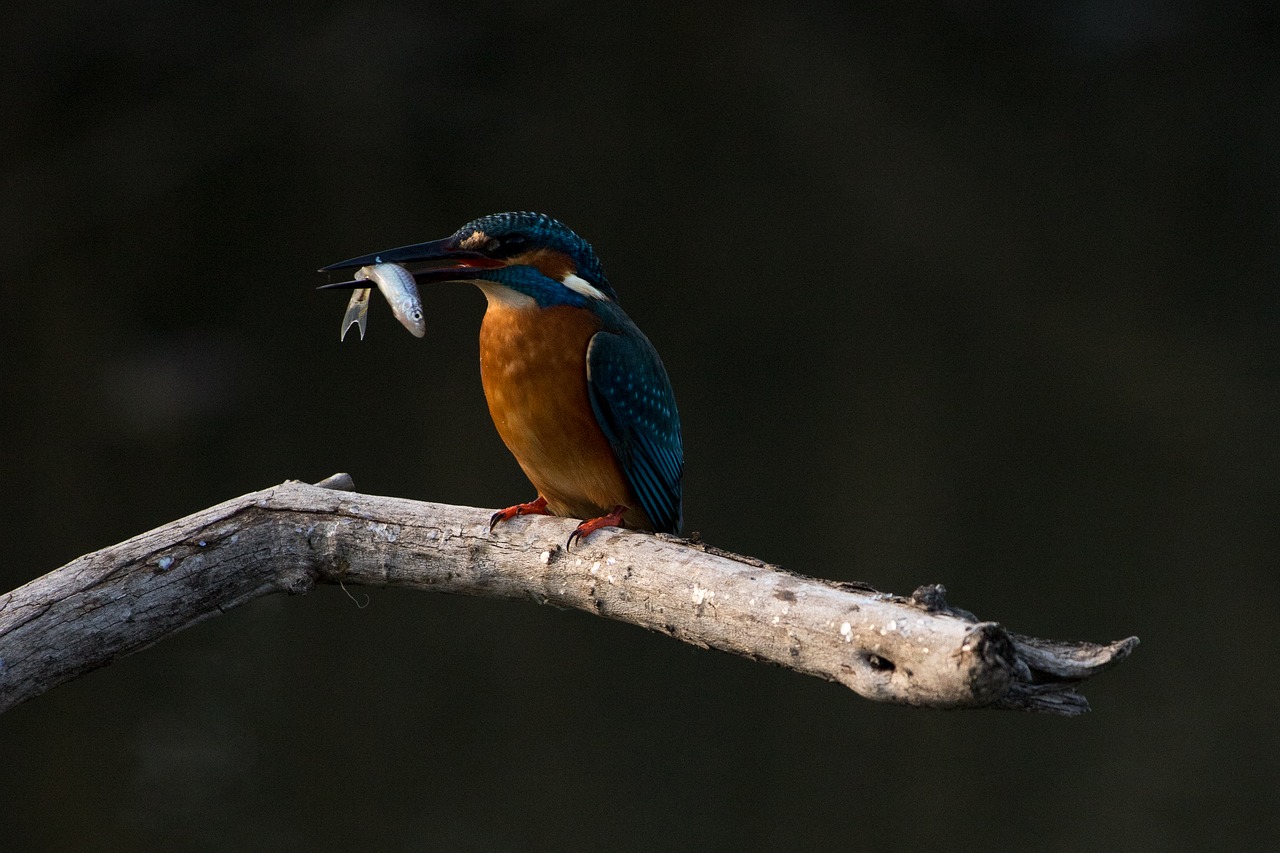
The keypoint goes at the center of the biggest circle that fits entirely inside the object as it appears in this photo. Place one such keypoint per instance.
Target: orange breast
(533, 367)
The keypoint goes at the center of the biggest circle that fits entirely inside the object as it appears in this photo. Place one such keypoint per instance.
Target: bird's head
(529, 253)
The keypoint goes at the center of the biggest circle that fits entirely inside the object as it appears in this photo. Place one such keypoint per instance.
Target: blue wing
(636, 409)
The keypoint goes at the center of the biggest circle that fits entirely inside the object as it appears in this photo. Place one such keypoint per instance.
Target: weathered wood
(915, 651)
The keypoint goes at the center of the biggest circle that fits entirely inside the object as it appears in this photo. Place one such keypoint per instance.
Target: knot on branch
(932, 597)
(997, 661)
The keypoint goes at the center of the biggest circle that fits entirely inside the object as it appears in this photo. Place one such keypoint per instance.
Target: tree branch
(915, 651)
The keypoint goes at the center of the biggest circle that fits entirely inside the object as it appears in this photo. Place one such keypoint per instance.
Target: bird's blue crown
(517, 232)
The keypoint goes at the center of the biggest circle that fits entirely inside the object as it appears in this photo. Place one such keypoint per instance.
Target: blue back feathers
(636, 409)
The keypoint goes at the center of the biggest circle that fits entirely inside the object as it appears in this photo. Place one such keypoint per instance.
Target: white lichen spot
(752, 602)
(966, 648)
(611, 579)
(595, 567)
(702, 596)
(925, 649)
(544, 557)
(385, 532)
(610, 561)
(165, 563)
(846, 631)
(775, 620)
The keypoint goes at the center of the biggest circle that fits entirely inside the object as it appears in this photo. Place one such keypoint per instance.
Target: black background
(983, 295)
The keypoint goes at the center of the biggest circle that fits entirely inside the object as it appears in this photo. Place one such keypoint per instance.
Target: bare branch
(915, 651)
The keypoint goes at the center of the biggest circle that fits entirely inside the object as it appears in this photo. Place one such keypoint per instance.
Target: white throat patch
(501, 296)
(581, 285)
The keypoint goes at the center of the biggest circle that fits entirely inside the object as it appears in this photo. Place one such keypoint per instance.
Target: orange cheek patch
(554, 265)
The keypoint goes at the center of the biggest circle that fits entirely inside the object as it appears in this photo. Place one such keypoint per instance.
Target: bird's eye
(513, 242)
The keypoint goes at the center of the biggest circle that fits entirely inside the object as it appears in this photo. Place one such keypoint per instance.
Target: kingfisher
(577, 392)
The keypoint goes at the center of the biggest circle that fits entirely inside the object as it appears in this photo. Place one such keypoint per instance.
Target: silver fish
(401, 292)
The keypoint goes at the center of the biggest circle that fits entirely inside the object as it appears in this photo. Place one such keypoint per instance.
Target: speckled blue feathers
(636, 409)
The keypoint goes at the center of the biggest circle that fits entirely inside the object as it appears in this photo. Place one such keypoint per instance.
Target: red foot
(613, 519)
(538, 507)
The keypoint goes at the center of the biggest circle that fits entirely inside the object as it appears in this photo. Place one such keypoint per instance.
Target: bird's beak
(438, 260)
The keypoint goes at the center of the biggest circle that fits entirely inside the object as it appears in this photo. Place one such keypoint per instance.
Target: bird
(577, 392)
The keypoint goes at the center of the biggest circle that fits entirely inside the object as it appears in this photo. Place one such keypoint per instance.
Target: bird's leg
(535, 507)
(591, 525)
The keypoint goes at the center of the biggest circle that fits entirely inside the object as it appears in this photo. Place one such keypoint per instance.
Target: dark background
(983, 295)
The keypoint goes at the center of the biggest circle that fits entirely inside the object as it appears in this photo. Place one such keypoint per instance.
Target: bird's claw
(534, 507)
(591, 525)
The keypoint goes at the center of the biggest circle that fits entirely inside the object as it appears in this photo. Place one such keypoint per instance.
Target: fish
(357, 312)
(401, 291)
